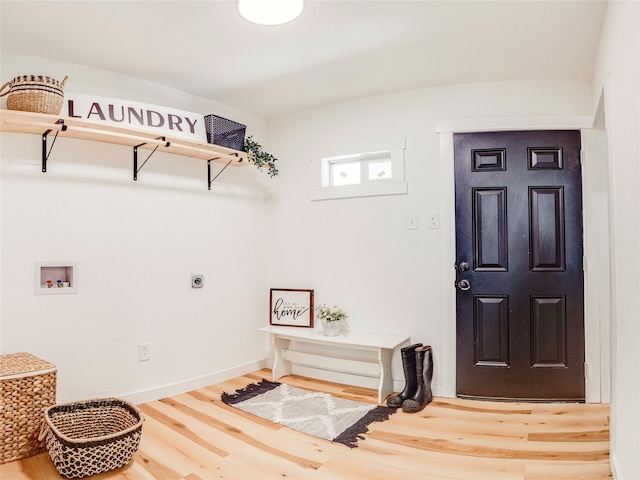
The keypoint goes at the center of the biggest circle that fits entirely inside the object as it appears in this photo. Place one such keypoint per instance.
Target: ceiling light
(270, 12)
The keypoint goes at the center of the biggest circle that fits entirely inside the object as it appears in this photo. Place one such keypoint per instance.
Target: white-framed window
(361, 174)
(359, 168)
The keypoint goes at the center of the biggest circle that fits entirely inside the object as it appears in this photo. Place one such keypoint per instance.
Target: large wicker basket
(92, 436)
(27, 387)
(34, 93)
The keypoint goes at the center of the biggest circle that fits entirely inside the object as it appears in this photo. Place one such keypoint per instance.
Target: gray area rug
(319, 414)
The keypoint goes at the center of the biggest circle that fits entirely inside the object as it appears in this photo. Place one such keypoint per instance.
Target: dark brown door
(519, 287)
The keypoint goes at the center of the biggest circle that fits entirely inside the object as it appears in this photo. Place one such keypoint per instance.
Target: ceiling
(336, 51)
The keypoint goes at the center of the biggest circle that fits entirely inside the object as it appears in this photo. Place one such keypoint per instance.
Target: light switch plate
(411, 221)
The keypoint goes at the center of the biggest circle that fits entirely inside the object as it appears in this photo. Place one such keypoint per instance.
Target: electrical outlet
(197, 280)
(433, 221)
(144, 352)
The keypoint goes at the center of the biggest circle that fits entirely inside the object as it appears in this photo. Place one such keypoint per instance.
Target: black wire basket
(224, 132)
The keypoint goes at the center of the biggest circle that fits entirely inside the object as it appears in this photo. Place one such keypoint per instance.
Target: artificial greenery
(258, 156)
(330, 314)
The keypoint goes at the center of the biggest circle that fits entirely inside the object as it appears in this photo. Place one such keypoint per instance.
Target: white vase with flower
(332, 318)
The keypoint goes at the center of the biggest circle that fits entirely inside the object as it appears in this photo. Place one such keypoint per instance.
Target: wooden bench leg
(386, 375)
(281, 366)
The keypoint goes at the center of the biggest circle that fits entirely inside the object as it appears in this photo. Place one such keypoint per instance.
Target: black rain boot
(410, 380)
(424, 374)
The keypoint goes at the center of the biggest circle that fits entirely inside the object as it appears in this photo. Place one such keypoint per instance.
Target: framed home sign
(291, 308)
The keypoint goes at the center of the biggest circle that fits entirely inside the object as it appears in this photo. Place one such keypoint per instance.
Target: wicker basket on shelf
(92, 436)
(34, 93)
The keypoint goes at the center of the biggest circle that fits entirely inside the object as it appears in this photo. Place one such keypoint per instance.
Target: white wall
(595, 176)
(136, 244)
(616, 85)
(356, 252)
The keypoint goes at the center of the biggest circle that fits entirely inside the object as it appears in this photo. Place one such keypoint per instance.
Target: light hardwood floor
(194, 436)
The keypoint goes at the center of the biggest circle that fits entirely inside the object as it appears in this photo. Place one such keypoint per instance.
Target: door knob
(464, 285)
(463, 266)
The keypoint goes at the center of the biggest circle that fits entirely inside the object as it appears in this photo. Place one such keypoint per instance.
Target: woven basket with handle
(34, 93)
(92, 436)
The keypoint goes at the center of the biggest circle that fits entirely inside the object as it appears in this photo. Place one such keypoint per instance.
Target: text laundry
(134, 116)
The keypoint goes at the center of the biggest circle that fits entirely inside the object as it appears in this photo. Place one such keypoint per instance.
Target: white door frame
(596, 373)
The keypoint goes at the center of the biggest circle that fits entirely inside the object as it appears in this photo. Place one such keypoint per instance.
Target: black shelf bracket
(135, 156)
(45, 153)
(211, 180)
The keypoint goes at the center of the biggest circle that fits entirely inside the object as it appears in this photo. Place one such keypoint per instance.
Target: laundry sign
(140, 116)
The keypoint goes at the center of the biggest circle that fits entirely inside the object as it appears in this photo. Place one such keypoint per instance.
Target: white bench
(382, 343)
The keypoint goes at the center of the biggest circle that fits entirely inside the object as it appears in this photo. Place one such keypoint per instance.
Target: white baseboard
(615, 468)
(333, 376)
(348, 379)
(144, 396)
(164, 391)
